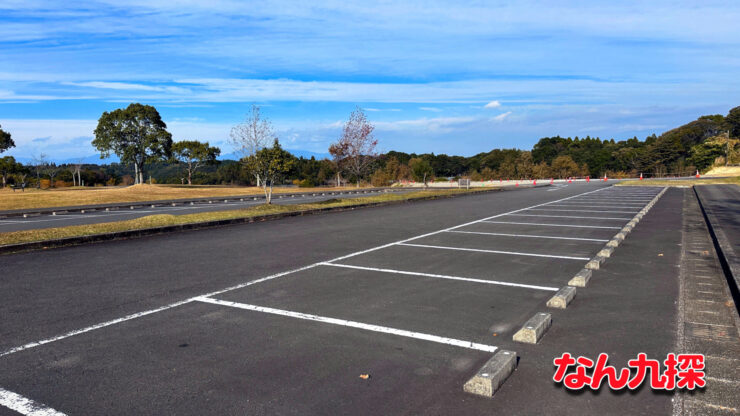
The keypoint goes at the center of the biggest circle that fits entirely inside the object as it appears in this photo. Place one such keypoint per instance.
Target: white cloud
(502, 116)
(493, 104)
(432, 109)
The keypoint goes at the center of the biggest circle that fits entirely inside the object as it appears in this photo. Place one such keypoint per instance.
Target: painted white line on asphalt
(460, 226)
(24, 405)
(592, 205)
(600, 240)
(582, 210)
(554, 225)
(571, 216)
(93, 327)
(644, 201)
(352, 324)
(442, 276)
(513, 253)
(242, 285)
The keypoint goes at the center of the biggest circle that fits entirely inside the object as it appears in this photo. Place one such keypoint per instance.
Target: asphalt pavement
(385, 310)
(721, 203)
(101, 215)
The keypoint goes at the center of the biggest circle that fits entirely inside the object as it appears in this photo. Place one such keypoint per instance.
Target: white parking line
(263, 279)
(352, 324)
(581, 210)
(645, 200)
(571, 216)
(442, 276)
(25, 406)
(513, 253)
(598, 204)
(554, 225)
(600, 240)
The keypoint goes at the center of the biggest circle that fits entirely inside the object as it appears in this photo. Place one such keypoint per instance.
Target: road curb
(534, 329)
(562, 298)
(723, 246)
(119, 235)
(581, 278)
(492, 375)
(145, 204)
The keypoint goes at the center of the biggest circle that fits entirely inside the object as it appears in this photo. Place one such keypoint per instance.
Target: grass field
(688, 182)
(46, 198)
(153, 221)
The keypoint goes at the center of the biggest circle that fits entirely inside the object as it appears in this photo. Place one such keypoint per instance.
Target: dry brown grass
(724, 171)
(682, 182)
(153, 221)
(60, 197)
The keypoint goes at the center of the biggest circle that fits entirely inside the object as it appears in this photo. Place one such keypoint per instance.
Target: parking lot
(413, 318)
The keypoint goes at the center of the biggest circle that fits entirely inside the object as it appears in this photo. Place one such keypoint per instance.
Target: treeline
(698, 145)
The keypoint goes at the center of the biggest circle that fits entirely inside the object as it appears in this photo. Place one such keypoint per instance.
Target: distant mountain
(86, 160)
(96, 160)
(297, 153)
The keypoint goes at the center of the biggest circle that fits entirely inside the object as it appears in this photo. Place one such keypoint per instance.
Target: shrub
(306, 183)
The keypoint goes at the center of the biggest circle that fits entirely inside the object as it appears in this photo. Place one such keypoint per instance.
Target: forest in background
(698, 145)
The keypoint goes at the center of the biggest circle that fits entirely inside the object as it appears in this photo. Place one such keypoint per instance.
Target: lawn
(59, 197)
(153, 221)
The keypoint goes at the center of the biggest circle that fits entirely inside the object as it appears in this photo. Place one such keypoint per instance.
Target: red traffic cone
(697, 173)
(534, 182)
(588, 179)
(640, 175)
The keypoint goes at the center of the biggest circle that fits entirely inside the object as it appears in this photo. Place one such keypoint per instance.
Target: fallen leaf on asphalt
(495, 334)
(660, 255)
(364, 376)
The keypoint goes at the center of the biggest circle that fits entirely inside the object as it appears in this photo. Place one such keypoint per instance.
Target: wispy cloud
(502, 116)
(202, 63)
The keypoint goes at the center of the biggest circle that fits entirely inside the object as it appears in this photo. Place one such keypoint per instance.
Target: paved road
(147, 326)
(102, 216)
(722, 205)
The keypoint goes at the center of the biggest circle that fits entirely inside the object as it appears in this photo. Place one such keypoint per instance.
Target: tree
(251, 136)
(420, 169)
(76, 168)
(727, 145)
(541, 170)
(355, 150)
(194, 154)
(135, 134)
(564, 167)
(8, 166)
(51, 170)
(39, 163)
(271, 164)
(6, 142)
(733, 122)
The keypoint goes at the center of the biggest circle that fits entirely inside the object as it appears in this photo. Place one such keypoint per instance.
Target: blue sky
(443, 77)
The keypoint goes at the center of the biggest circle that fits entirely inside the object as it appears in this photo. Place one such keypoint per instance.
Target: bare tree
(77, 170)
(52, 171)
(355, 150)
(251, 136)
(39, 163)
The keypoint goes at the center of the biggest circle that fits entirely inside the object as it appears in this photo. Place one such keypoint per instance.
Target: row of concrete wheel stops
(496, 370)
